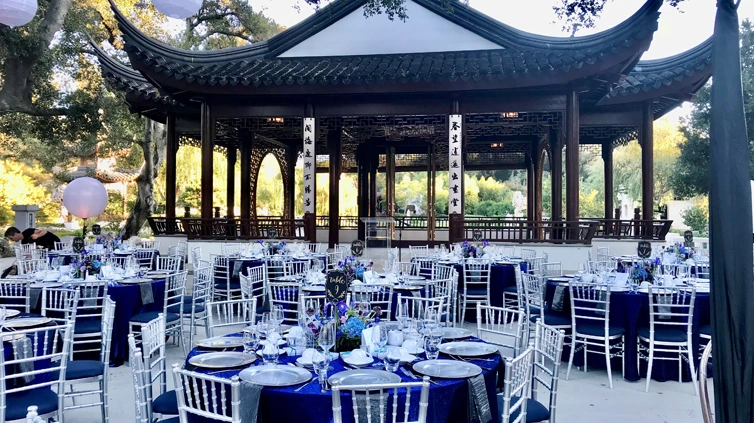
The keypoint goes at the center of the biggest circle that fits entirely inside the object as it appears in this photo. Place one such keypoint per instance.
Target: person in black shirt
(41, 237)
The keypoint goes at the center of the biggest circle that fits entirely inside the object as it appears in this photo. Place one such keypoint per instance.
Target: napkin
(366, 337)
(369, 407)
(480, 404)
(237, 268)
(147, 296)
(22, 350)
(249, 407)
(621, 279)
(558, 298)
(34, 294)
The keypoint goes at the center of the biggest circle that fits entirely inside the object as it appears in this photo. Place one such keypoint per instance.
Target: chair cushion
(171, 420)
(17, 403)
(535, 411)
(189, 299)
(166, 403)
(82, 369)
(224, 285)
(706, 330)
(511, 289)
(186, 308)
(553, 319)
(598, 329)
(151, 315)
(476, 291)
(664, 334)
(87, 326)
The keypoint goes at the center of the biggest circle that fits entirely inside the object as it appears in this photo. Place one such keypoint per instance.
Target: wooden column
(647, 161)
(390, 181)
(556, 171)
(291, 183)
(245, 139)
(170, 165)
(530, 188)
(208, 149)
(431, 197)
(232, 157)
(572, 155)
(362, 188)
(374, 162)
(607, 158)
(333, 148)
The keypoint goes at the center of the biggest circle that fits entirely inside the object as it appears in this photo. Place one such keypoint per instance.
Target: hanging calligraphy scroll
(455, 165)
(310, 167)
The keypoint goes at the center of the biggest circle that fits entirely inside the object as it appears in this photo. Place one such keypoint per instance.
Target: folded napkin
(479, 404)
(34, 294)
(147, 296)
(370, 408)
(237, 268)
(250, 392)
(558, 298)
(22, 349)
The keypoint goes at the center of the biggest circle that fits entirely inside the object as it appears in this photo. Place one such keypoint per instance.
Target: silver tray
(455, 333)
(467, 349)
(26, 322)
(222, 360)
(272, 375)
(221, 343)
(447, 369)
(364, 377)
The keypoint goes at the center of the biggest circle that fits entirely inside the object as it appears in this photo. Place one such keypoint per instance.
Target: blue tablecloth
(448, 402)
(38, 364)
(501, 276)
(128, 304)
(631, 310)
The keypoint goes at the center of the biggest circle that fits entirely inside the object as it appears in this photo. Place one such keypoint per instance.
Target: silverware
(306, 384)
(468, 361)
(413, 375)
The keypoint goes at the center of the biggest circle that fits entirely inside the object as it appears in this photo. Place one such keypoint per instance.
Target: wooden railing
(259, 228)
(632, 229)
(166, 225)
(522, 231)
(408, 222)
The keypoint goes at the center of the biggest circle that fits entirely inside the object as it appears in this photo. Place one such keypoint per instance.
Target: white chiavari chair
(548, 349)
(153, 347)
(387, 406)
(425, 266)
(276, 266)
(224, 287)
(60, 304)
(206, 396)
(143, 386)
(476, 284)
(23, 251)
(376, 295)
(287, 295)
(603, 254)
(671, 315)
(30, 346)
(94, 371)
(40, 254)
(333, 259)
(145, 257)
(590, 321)
(528, 253)
(231, 313)
(535, 306)
(175, 289)
(201, 295)
(406, 268)
(196, 255)
(150, 244)
(533, 265)
(230, 249)
(418, 251)
(14, 294)
(255, 284)
(297, 267)
(418, 306)
(314, 302)
(442, 289)
(502, 327)
(63, 246)
(703, 390)
(551, 269)
(32, 266)
(512, 402)
(511, 296)
(87, 332)
(169, 263)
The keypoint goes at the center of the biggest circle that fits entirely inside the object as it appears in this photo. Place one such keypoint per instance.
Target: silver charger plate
(467, 349)
(26, 322)
(455, 333)
(221, 343)
(222, 360)
(132, 281)
(447, 369)
(46, 285)
(272, 375)
(415, 278)
(11, 313)
(364, 377)
(559, 279)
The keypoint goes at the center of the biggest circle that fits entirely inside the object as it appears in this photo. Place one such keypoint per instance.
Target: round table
(128, 303)
(448, 401)
(631, 311)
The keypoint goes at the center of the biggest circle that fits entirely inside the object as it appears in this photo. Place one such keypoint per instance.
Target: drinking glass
(250, 340)
(321, 363)
(277, 316)
(379, 339)
(392, 359)
(56, 263)
(430, 320)
(327, 336)
(432, 348)
(270, 355)
(402, 314)
(264, 325)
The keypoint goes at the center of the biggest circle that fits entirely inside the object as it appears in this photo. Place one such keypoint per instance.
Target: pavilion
(449, 90)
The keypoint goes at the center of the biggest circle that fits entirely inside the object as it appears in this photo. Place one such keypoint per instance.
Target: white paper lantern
(85, 197)
(179, 9)
(17, 12)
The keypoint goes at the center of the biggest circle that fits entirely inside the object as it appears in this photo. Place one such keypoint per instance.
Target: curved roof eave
(640, 23)
(681, 74)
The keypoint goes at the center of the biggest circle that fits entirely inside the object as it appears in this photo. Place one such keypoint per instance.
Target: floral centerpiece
(473, 251)
(681, 251)
(354, 268)
(108, 239)
(350, 322)
(644, 270)
(275, 247)
(87, 265)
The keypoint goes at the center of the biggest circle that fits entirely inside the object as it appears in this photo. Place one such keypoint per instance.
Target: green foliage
(23, 184)
(696, 217)
(226, 23)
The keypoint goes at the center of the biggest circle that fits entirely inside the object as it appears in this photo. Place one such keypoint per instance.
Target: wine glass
(264, 325)
(277, 315)
(402, 314)
(327, 336)
(250, 340)
(321, 363)
(379, 339)
(430, 320)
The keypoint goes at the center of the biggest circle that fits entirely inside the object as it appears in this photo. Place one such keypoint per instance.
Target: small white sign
(310, 166)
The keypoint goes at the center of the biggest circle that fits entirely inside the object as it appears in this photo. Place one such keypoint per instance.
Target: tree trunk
(154, 146)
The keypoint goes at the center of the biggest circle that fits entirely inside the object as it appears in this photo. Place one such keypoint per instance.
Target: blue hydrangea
(353, 327)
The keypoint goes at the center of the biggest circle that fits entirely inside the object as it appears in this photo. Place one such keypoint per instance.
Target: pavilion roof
(523, 60)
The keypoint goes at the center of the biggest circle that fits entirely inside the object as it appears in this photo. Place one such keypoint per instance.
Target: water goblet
(250, 340)
(270, 353)
(392, 359)
(402, 314)
(277, 315)
(321, 363)
(379, 339)
(432, 348)
(264, 325)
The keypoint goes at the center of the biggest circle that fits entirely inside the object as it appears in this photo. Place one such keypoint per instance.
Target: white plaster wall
(675, 213)
(422, 32)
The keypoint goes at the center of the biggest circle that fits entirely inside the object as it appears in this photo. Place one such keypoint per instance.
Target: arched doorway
(269, 198)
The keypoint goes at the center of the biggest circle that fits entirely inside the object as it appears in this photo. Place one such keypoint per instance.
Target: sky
(679, 28)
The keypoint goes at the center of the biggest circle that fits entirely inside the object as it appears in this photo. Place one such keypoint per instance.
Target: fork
(413, 375)
(468, 361)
